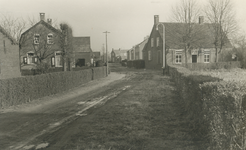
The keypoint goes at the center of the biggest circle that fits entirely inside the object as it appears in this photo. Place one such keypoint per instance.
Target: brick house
(41, 43)
(9, 56)
(83, 55)
(136, 52)
(118, 55)
(202, 51)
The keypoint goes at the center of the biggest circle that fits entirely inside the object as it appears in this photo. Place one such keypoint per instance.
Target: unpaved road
(130, 109)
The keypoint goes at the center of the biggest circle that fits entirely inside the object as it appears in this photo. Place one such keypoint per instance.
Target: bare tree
(188, 33)
(13, 26)
(221, 15)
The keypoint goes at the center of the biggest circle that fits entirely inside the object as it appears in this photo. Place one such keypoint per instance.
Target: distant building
(9, 56)
(203, 50)
(118, 55)
(83, 55)
(136, 52)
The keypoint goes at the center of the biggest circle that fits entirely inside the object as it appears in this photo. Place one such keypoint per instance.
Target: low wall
(209, 66)
(214, 107)
(24, 89)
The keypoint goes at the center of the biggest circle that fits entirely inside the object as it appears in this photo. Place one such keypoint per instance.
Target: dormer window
(50, 38)
(36, 38)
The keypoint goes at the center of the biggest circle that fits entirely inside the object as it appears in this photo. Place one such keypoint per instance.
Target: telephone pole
(106, 32)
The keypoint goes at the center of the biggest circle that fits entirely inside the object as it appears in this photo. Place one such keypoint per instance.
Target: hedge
(214, 107)
(24, 89)
(138, 64)
(209, 66)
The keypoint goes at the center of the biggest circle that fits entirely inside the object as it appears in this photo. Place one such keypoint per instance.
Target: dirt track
(138, 110)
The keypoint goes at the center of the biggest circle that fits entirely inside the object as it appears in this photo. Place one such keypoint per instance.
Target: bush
(24, 89)
(213, 106)
(138, 64)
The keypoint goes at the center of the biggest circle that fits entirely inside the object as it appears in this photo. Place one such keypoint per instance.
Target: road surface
(129, 109)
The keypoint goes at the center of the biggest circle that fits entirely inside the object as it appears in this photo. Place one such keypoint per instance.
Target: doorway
(194, 58)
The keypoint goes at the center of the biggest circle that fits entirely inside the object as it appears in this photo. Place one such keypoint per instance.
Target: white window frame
(178, 60)
(58, 59)
(152, 42)
(206, 58)
(29, 58)
(36, 38)
(149, 55)
(50, 38)
(158, 41)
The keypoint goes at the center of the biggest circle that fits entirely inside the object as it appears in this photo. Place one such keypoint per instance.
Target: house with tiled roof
(117, 55)
(83, 55)
(41, 43)
(202, 48)
(136, 52)
(9, 56)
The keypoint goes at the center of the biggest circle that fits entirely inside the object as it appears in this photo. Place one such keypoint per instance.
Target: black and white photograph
(122, 75)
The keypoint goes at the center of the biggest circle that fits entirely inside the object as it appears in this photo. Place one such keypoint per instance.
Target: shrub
(213, 106)
(24, 89)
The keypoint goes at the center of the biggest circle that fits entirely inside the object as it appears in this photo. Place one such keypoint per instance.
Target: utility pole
(106, 32)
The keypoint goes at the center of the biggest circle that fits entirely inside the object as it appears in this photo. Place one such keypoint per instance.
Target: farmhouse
(202, 48)
(42, 43)
(118, 55)
(9, 56)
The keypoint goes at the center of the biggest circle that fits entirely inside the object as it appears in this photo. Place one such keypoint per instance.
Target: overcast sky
(128, 21)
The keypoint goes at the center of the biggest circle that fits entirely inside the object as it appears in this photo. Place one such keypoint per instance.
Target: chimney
(201, 19)
(49, 21)
(42, 16)
(156, 19)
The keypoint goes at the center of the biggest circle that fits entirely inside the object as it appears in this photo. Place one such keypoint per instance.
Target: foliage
(24, 89)
(215, 105)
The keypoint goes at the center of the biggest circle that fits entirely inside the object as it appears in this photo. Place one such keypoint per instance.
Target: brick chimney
(156, 19)
(201, 19)
(49, 21)
(42, 16)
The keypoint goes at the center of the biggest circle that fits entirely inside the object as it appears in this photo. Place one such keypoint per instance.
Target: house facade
(42, 43)
(136, 52)
(202, 49)
(9, 56)
(83, 55)
(117, 55)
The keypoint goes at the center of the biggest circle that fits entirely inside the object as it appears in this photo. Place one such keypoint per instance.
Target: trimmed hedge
(209, 66)
(138, 64)
(24, 89)
(214, 107)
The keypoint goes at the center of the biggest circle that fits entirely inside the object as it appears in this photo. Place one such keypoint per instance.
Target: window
(152, 42)
(53, 61)
(157, 41)
(178, 57)
(58, 59)
(50, 38)
(31, 58)
(206, 56)
(132, 55)
(149, 55)
(25, 60)
(36, 38)
(159, 57)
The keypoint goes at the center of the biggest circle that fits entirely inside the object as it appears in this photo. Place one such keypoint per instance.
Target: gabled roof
(82, 44)
(122, 53)
(203, 35)
(45, 24)
(3, 31)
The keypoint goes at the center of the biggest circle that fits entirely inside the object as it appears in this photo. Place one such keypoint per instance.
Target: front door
(194, 58)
